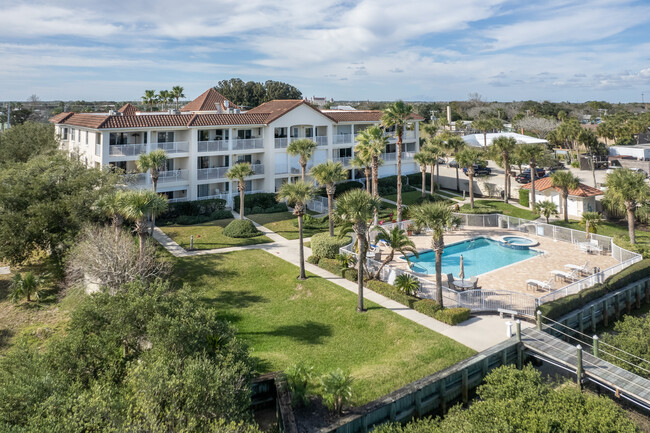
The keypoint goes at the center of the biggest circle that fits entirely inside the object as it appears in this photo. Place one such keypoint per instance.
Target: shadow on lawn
(5, 335)
(308, 332)
(193, 270)
(235, 299)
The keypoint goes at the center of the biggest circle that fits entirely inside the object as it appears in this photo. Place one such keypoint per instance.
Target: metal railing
(126, 149)
(258, 168)
(318, 204)
(136, 179)
(171, 176)
(174, 146)
(343, 160)
(248, 143)
(281, 142)
(344, 138)
(320, 140)
(213, 146)
(178, 199)
(389, 156)
(211, 173)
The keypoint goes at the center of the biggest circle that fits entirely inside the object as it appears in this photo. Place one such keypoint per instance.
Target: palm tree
(397, 240)
(328, 173)
(546, 208)
(109, 205)
(304, 148)
(438, 217)
(468, 158)
(361, 162)
(240, 172)
(354, 208)
(150, 98)
(455, 144)
(533, 154)
(297, 195)
(372, 143)
(423, 159)
(177, 93)
(483, 125)
(136, 205)
(591, 220)
(164, 96)
(153, 161)
(436, 151)
(396, 115)
(25, 286)
(565, 180)
(502, 149)
(627, 188)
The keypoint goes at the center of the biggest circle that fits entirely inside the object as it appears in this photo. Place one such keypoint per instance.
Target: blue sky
(558, 50)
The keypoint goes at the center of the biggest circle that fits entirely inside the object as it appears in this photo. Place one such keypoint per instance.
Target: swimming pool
(480, 255)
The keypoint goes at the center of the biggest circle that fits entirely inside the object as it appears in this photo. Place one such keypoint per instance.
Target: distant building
(581, 199)
(318, 101)
(478, 140)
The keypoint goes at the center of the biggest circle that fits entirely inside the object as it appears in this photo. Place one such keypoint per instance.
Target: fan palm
(372, 143)
(135, 206)
(109, 205)
(358, 161)
(177, 93)
(240, 172)
(534, 154)
(626, 188)
(501, 150)
(25, 286)
(397, 240)
(297, 195)
(150, 98)
(546, 208)
(468, 158)
(455, 144)
(437, 217)
(396, 115)
(423, 160)
(328, 173)
(435, 148)
(484, 125)
(354, 208)
(164, 96)
(591, 220)
(565, 180)
(303, 148)
(153, 161)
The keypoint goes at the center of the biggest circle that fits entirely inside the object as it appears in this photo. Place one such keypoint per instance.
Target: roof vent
(226, 103)
(236, 111)
(113, 113)
(173, 111)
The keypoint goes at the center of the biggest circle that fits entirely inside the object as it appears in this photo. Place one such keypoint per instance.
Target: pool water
(480, 255)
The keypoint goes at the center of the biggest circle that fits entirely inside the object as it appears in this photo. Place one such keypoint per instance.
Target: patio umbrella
(461, 274)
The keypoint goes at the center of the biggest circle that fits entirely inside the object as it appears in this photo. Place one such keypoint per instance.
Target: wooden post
(539, 320)
(637, 297)
(605, 317)
(593, 318)
(518, 330)
(628, 302)
(443, 396)
(596, 346)
(191, 242)
(647, 292)
(465, 386)
(617, 306)
(393, 410)
(418, 403)
(504, 357)
(579, 366)
(580, 322)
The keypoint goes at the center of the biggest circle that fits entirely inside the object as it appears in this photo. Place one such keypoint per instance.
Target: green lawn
(314, 322)
(607, 228)
(282, 224)
(505, 209)
(208, 236)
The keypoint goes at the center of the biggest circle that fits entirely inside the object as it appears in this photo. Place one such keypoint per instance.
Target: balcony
(281, 142)
(392, 156)
(345, 138)
(408, 155)
(211, 173)
(174, 147)
(126, 149)
(136, 179)
(343, 160)
(248, 143)
(321, 140)
(213, 146)
(258, 168)
(171, 176)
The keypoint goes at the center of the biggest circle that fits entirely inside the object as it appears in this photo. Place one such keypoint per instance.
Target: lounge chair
(475, 281)
(450, 279)
(566, 276)
(584, 269)
(382, 243)
(540, 284)
(595, 247)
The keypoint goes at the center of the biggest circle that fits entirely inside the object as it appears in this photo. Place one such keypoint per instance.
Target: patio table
(464, 284)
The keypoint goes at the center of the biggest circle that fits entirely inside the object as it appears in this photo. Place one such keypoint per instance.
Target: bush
(299, 380)
(628, 275)
(309, 222)
(221, 214)
(262, 199)
(407, 284)
(524, 198)
(313, 259)
(337, 389)
(389, 291)
(478, 209)
(388, 185)
(427, 306)
(452, 316)
(186, 220)
(325, 246)
(432, 199)
(351, 274)
(198, 208)
(331, 265)
(241, 229)
(415, 179)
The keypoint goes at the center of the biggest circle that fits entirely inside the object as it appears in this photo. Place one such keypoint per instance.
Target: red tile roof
(229, 119)
(361, 115)
(279, 107)
(128, 110)
(208, 101)
(581, 191)
(61, 117)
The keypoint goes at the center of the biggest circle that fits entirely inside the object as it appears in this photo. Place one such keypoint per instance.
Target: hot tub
(518, 242)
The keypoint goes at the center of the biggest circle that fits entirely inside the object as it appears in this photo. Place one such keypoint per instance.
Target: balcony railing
(248, 143)
(178, 199)
(321, 140)
(174, 146)
(391, 156)
(408, 155)
(136, 179)
(281, 169)
(258, 168)
(171, 176)
(343, 160)
(212, 146)
(126, 149)
(211, 173)
(281, 142)
(343, 138)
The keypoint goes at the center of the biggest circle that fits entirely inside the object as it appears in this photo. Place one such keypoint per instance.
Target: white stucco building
(581, 199)
(210, 134)
(478, 140)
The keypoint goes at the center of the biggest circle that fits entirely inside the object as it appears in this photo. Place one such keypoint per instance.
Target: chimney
(449, 114)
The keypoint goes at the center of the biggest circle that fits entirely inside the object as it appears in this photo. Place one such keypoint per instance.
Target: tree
(371, 144)
(438, 150)
(280, 90)
(534, 154)
(397, 240)
(136, 206)
(468, 158)
(150, 98)
(303, 148)
(546, 208)
(24, 141)
(565, 181)
(153, 161)
(297, 195)
(540, 126)
(423, 160)
(354, 208)
(568, 131)
(164, 96)
(439, 218)
(455, 144)
(26, 286)
(240, 172)
(252, 94)
(501, 150)
(484, 125)
(361, 162)
(396, 115)
(591, 220)
(109, 205)
(177, 93)
(328, 173)
(626, 188)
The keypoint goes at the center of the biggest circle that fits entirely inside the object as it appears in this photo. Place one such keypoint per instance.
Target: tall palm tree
(455, 144)
(438, 217)
(354, 208)
(397, 240)
(372, 143)
(328, 173)
(177, 93)
(533, 154)
(164, 97)
(153, 161)
(396, 115)
(304, 148)
(136, 206)
(468, 158)
(240, 172)
(423, 160)
(436, 151)
(626, 188)
(25, 286)
(591, 220)
(358, 161)
(297, 195)
(484, 125)
(501, 150)
(150, 98)
(565, 180)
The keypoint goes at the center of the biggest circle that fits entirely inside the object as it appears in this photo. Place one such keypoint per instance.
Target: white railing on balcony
(211, 173)
(321, 140)
(126, 149)
(408, 155)
(281, 142)
(178, 199)
(171, 176)
(258, 168)
(174, 146)
(343, 160)
(392, 156)
(248, 143)
(212, 146)
(136, 179)
(343, 138)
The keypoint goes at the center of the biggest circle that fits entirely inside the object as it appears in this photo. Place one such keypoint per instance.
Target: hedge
(204, 208)
(415, 179)
(350, 274)
(388, 185)
(310, 222)
(330, 265)
(427, 306)
(558, 308)
(241, 229)
(389, 291)
(313, 259)
(325, 246)
(452, 316)
(524, 197)
(478, 209)
(261, 199)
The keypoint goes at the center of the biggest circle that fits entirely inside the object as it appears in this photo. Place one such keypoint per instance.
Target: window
(72, 134)
(204, 162)
(222, 134)
(169, 164)
(86, 137)
(79, 135)
(118, 165)
(65, 133)
(345, 152)
(117, 138)
(204, 135)
(309, 132)
(243, 134)
(166, 137)
(203, 190)
(280, 132)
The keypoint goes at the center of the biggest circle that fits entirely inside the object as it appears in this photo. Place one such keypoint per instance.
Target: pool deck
(513, 277)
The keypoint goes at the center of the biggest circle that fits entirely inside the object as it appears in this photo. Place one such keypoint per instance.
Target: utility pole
(8, 115)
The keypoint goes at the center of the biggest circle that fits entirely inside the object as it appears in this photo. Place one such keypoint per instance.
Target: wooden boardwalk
(619, 380)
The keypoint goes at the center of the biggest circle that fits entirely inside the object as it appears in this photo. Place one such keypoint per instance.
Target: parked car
(453, 164)
(479, 170)
(524, 176)
(639, 170)
(612, 169)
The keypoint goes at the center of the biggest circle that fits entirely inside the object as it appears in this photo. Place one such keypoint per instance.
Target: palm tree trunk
(424, 180)
(303, 168)
(439, 277)
(565, 197)
(154, 181)
(388, 258)
(361, 259)
(366, 171)
(302, 250)
(485, 139)
(399, 178)
(532, 189)
(375, 176)
(437, 174)
(330, 214)
(630, 222)
(471, 188)
(241, 201)
(457, 181)
(506, 179)
(433, 168)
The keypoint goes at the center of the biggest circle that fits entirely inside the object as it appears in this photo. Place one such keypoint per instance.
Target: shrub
(388, 185)
(196, 208)
(221, 214)
(241, 229)
(299, 380)
(407, 284)
(350, 274)
(415, 179)
(389, 291)
(575, 164)
(427, 306)
(325, 246)
(478, 209)
(628, 275)
(337, 389)
(313, 259)
(187, 220)
(309, 222)
(452, 316)
(524, 198)
(431, 199)
(262, 199)
(331, 265)
(341, 188)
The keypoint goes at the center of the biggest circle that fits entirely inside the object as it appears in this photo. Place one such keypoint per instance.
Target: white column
(192, 192)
